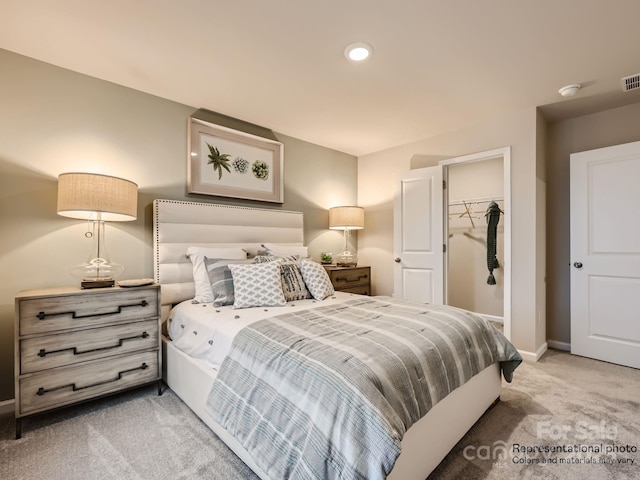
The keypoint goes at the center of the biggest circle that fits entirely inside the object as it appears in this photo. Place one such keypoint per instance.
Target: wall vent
(631, 82)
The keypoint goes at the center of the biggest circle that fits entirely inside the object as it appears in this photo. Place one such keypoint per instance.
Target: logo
(497, 451)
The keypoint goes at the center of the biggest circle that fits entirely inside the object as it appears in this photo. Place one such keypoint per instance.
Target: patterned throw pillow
(221, 280)
(274, 258)
(257, 285)
(317, 279)
(293, 284)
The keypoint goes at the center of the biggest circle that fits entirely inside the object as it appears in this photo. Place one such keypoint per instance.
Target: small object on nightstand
(135, 282)
(326, 258)
(97, 283)
(350, 279)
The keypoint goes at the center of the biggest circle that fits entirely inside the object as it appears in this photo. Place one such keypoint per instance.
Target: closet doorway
(473, 182)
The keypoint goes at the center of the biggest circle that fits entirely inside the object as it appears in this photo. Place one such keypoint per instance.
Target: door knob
(397, 260)
(577, 264)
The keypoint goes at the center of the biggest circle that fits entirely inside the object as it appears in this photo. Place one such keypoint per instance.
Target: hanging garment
(493, 217)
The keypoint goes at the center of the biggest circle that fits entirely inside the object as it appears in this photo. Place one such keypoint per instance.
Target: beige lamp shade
(346, 218)
(92, 196)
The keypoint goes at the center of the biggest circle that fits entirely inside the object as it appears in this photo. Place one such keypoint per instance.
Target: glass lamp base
(347, 259)
(97, 273)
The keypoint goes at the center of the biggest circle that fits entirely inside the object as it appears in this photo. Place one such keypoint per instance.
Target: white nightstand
(73, 345)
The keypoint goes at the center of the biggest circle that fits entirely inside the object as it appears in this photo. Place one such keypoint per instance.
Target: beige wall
(376, 174)
(604, 129)
(53, 121)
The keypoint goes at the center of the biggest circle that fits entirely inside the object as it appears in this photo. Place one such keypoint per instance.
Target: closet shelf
(475, 201)
(469, 211)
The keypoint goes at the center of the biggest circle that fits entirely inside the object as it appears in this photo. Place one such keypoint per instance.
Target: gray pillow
(221, 280)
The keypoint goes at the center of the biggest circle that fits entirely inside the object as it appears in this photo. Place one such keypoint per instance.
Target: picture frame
(230, 163)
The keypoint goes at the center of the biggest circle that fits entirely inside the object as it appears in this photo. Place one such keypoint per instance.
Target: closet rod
(468, 201)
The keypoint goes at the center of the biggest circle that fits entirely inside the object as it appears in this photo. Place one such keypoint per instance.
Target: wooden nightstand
(350, 279)
(73, 345)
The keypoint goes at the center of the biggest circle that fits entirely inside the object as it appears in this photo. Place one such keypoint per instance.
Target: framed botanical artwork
(230, 163)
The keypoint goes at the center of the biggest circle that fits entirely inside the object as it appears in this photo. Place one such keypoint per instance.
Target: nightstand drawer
(361, 290)
(84, 310)
(51, 351)
(350, 277)
(67, 385)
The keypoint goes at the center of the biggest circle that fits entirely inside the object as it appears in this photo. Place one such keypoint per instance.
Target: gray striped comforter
(328, 393)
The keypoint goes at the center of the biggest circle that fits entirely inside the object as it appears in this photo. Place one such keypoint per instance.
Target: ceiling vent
(631, 82)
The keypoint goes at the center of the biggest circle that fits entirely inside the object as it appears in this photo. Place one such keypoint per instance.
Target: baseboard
(534, 357)
(8, 406)
(556, 344)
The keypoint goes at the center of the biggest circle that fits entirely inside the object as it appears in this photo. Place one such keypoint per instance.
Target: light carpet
(561, 402)
(564, 417)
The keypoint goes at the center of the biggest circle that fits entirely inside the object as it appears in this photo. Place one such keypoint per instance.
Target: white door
(418, 236)
(605, 254)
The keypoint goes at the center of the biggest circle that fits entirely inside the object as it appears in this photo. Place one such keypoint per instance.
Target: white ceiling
(438, 66)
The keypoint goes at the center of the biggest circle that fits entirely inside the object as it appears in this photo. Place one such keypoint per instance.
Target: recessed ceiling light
(358, 51)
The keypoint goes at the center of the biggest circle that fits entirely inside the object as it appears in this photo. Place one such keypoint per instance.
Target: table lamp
(346, 219)
(98, 199)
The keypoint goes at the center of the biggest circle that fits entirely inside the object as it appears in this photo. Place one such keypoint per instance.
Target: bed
(179, 225)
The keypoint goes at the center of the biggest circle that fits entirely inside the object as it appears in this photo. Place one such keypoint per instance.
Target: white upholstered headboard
(180, 224)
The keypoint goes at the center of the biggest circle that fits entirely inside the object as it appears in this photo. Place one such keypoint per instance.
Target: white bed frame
(180, 224)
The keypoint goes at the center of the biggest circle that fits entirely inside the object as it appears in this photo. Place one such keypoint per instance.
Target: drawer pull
(41, 391)
(74, 315)
(43, 353)
(345, 279)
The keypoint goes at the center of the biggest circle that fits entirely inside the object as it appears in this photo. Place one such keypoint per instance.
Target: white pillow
(317, 279)
(285, 250)
(200, 274)
(257, 285)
